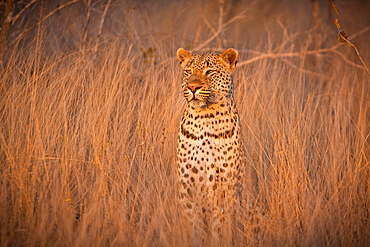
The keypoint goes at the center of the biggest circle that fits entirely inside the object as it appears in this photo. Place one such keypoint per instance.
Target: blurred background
(90, 104)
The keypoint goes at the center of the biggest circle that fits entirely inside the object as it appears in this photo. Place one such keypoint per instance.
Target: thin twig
(358, 53)
(301, 53)
(290, 54)
(101, 24)
(15, 18)
(38, 23)
(342, 37)
(306, 71)
(345, 59)
(84, 35)
(221, 26)
(4, 32)
(208, 24)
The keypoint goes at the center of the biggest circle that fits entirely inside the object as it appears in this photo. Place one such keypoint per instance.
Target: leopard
(209, 147)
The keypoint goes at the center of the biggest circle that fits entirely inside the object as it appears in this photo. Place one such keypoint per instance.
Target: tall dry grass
(88, 133)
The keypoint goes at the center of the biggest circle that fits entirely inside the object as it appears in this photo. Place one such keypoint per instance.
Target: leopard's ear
(230, 56)
(183, 54)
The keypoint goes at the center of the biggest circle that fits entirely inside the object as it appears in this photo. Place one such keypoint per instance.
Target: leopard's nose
(194, 88)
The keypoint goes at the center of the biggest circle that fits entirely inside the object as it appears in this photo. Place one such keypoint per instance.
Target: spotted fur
(208, 152)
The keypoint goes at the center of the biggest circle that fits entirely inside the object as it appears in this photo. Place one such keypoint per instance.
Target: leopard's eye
(210, 72)
(187, 71)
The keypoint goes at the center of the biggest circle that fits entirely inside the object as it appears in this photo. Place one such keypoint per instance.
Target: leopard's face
(206, 76)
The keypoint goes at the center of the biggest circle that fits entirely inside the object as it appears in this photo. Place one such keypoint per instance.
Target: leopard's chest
(208, 148)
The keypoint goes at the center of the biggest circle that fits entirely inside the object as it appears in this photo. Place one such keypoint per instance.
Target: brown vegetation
(88, 122)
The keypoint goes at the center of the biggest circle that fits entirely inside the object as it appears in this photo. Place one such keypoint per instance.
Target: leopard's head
(207, 76)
